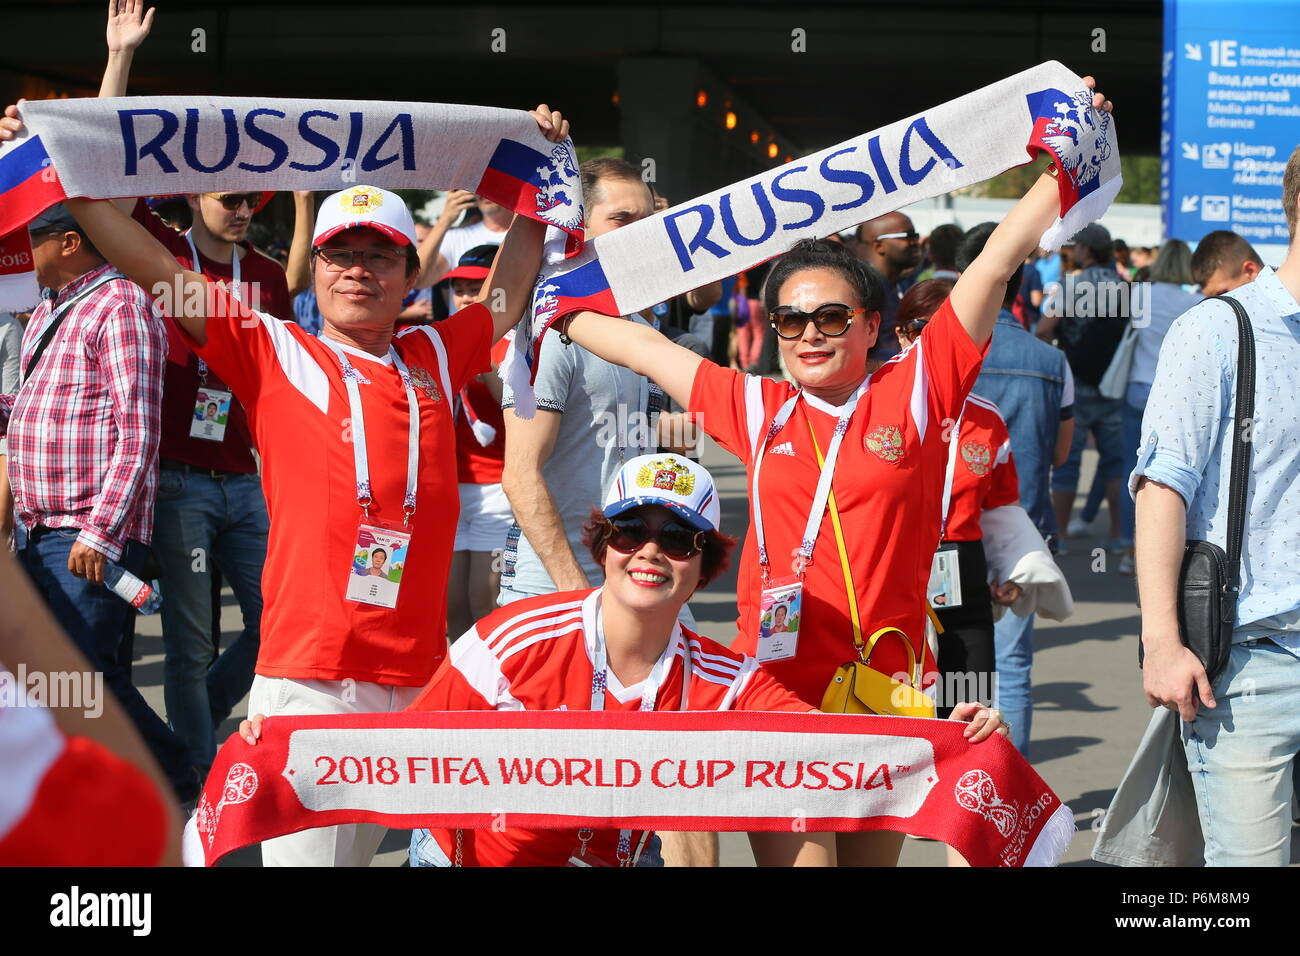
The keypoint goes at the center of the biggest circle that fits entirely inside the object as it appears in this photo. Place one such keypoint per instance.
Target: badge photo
(778, 624)
(378, 562)
(944, 587)
(211, 414)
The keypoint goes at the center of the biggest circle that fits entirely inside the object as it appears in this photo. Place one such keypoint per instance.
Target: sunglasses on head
(232, 201)
(831, 319)
(677, 540)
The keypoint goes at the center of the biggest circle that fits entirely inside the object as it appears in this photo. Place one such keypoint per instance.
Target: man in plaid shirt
(83, 456)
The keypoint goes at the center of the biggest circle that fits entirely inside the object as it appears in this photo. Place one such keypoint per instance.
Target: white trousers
(352, 844)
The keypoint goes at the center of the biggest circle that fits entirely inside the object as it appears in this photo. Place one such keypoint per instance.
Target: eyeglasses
(832, 319)
(373, 260)
(232, 201)
(676, 540)
(909, 236)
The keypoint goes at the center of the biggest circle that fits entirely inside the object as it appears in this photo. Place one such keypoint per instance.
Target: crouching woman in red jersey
(616, 647)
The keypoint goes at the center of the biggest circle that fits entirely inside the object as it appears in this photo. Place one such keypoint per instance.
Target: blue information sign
(1230, 114)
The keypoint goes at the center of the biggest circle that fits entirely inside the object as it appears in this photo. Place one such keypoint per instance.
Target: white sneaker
(1078, 528)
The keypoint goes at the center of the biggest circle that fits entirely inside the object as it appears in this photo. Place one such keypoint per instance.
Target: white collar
(384, 359)
(623, 695)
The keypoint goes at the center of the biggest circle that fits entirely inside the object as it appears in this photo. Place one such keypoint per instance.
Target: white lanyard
(234, 278)
(360, 458)
(952, 465)
(823, 491)
(600, 676)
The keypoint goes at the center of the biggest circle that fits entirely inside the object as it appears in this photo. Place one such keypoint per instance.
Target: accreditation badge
(211, 414)
(378, 561)
(944, 589)
(780, 611)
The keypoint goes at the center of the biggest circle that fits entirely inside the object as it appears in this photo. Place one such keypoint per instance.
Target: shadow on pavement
(1066, 695)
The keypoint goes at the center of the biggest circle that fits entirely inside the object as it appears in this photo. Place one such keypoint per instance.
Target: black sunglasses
(831, 319)
(626, 535)
(232, 201)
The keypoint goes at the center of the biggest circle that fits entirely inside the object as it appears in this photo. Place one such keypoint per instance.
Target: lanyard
(51, 324)
(350, 379)
(952, 465)
(818, 509)
(234, 281)
(599, 677)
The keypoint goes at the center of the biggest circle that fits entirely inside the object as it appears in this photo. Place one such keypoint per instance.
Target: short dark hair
(820, 254)
(943, 244)
(86, 244)
(1220, 248)
(375, 551)
(972, 244)
(1291, 191)
(715, 557)
(595, 171)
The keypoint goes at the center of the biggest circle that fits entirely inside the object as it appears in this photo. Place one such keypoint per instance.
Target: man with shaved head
(889, 244)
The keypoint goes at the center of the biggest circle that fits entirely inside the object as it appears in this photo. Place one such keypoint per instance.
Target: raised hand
(128, 24)
(552, 124)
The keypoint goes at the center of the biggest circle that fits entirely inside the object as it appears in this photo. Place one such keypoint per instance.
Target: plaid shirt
(83, 430)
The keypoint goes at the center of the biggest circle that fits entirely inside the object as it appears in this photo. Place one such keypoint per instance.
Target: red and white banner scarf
(141, 146)
(715, 771)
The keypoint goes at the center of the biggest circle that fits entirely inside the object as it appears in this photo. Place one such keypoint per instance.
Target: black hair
(376, 550)
(972, 244)
(595, 171)
(943, 244)
(1220, 248)
(820, 254)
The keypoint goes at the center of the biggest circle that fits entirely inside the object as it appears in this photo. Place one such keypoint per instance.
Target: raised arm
(977, 296)
(143, 259)
(297, 273)
(128, 25)
(638, 347)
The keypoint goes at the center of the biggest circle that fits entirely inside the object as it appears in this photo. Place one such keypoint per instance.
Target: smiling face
(822, 364)
(356, 297)
(648, 579)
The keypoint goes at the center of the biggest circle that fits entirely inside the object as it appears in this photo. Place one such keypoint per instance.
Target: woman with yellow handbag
(868, 570)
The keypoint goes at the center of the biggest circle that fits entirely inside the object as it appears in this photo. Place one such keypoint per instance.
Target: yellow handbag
(856, 687)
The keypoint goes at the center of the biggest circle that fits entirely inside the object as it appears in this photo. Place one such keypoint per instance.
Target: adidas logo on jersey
(785, 448)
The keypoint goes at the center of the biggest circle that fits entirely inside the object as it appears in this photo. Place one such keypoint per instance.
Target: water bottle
(141, 595)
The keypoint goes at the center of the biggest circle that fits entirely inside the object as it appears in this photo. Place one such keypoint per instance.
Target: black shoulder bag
(1209, 581)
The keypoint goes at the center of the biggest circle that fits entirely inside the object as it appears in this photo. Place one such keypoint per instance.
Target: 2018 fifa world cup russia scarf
(153, 145)
(715, 772)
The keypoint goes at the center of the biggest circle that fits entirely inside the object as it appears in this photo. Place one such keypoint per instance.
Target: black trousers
(967, 661)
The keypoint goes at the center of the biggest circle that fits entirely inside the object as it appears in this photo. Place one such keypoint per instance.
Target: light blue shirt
(1187, 445)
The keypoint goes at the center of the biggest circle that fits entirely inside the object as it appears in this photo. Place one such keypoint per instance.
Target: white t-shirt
(457, 242)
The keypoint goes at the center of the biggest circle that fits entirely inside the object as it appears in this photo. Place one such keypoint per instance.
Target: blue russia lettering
(269, 129)
(806, 203)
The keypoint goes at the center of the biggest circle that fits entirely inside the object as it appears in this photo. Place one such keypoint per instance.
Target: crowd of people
(959, 377)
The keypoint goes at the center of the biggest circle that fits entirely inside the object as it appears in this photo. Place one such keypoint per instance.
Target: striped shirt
(83, 428)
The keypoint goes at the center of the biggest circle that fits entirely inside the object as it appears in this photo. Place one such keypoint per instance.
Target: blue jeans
(1013, 644)
(425, 851)
(199, 519)
(101, 625)
(1241, 757)
(1101, 416)
(1132, 429)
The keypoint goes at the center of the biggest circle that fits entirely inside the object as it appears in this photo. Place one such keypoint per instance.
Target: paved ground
(1089, 712)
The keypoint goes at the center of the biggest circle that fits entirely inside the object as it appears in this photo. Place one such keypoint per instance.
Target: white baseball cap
(367, 206)
(677, 483)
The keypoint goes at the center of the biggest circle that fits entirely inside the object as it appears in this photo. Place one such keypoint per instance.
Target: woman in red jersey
(616, 647)
(868, 565)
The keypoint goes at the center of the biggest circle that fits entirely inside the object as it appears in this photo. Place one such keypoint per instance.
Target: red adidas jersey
(482, 464)
(536, 654)
(888, 486)
(984, 473)
(291, 384)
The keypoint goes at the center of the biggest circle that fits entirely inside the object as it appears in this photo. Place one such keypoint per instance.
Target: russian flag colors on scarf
(136, 146)
(716, 771)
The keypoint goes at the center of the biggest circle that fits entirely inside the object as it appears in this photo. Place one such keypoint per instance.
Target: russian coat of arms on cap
(978, 457)
(667, 474)
(361, 199)
(885, 442)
